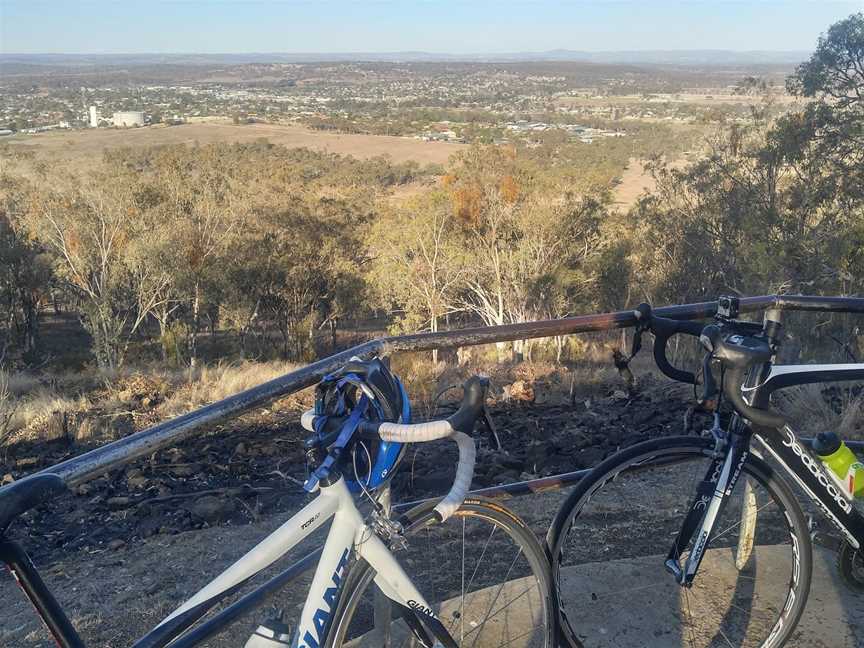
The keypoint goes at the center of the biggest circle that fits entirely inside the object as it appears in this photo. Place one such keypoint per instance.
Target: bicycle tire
(480, 513)
(634, 469)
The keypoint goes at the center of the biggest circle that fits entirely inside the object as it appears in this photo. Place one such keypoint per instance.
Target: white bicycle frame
(348, 533)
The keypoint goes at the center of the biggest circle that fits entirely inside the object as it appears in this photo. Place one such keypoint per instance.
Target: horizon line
(430, 52)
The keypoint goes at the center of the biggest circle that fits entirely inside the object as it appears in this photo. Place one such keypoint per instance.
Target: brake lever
(710, 399)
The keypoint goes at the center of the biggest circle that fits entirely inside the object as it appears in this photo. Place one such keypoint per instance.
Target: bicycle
(699, 540)
(359, 423)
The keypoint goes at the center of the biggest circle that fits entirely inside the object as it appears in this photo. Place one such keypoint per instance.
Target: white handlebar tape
(420, 433)
(307, 420)
(415, 433)
(464, 475)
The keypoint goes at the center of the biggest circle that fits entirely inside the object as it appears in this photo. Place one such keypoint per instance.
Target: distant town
(446, 102)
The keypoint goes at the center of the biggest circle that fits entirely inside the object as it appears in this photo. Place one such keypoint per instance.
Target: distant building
(129, 118)
(94, 117)
(5, 132)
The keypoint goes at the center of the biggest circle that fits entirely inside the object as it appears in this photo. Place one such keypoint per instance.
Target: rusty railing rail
(99, 460)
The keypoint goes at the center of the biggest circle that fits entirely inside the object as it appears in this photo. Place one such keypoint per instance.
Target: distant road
(636, 180)
(83, 144)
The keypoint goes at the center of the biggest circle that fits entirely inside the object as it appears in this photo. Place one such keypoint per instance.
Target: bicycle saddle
(25, 494)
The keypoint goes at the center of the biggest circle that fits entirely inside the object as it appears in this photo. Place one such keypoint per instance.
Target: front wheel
(482, 571)
(612, 535)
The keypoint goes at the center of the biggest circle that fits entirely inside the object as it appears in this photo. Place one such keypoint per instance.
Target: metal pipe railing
(96, 462)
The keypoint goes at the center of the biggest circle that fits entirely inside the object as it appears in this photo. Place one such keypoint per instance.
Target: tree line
(281, 246)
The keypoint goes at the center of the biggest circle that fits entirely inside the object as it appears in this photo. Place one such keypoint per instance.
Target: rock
(619, 395)
(504, 461)
(536, 455)
(7, 479)
(26, 462)
(643, 415)
(151, 589)
(84, 489)
(211, 509)
(240, 449)
(176, 455)
(507, 477)
(137, 482)
(118, 502)
(186, 470)
(116, 544)
(589, 457)
(148, 527)
(520, 391)
(580, 406)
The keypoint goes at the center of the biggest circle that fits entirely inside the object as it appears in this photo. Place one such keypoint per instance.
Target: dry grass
(819, 408)
(41, 410)
(87, 145)
(7, 406)
(38, 415)
(210, 384)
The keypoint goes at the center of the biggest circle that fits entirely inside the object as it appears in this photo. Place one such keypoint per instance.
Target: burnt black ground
(240, 473)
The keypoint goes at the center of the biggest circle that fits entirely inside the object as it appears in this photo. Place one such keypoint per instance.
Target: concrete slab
(833, 618)
(511, 616)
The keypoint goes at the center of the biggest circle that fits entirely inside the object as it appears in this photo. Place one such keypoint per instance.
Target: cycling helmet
(341, 392)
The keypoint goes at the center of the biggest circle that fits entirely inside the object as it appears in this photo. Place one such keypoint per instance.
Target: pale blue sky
(452, 26)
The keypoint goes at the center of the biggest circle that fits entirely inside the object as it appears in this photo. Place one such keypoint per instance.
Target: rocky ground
(196, 507)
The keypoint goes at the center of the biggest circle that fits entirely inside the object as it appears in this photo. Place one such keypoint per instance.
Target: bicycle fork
(709, 502)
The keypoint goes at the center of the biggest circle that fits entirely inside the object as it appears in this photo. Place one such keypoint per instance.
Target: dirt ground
(635, 181)
(83, 144)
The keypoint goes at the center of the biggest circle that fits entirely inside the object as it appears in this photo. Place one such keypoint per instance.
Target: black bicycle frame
(786, 448)
(798, 460)
(808, 471)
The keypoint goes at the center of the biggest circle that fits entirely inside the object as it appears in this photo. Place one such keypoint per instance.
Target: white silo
(94, 117)
(129, 118)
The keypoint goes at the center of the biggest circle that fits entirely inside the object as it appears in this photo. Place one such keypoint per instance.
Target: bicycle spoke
(725, 638)
(499, 610)
(482, 554)
(738, 523)
(504, 581)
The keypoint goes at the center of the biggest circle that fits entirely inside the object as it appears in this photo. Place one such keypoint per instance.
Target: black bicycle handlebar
(731, 342)
(663, 329)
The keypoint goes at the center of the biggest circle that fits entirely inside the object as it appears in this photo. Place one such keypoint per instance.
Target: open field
(636, 180)
(89, 143)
